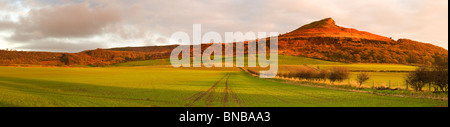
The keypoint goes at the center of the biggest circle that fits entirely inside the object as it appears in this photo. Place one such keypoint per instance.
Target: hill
(325, 40)
(328, 28)
(98, 57)
(322, 40)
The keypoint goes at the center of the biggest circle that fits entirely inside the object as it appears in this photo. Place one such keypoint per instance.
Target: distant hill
(322, 40)
(325, 40)
(328, 28)
(98, 57)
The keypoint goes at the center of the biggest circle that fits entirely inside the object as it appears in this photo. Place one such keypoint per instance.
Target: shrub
(418, 78)
(436, 76)
(339, 74)
(362, 77)
(324, 74)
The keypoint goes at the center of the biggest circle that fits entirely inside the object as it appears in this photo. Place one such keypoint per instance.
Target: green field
(396, 79)
(143, 63)
(379, 75)
(379, 78)
(368, 67)
(289, 63)
(172, 87)
(296, 60)
(155, 83)
(282, 60)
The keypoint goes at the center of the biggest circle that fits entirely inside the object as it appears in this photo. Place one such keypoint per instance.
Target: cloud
(57, 45)
(5, 25)
(65, 21)
(150, 22)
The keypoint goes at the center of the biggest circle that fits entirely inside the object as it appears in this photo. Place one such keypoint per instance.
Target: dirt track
(225, 99)
(210, 95)
(198, 96)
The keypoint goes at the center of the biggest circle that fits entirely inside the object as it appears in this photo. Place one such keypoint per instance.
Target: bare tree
(362, 77)
(418, 78)
(439, 75)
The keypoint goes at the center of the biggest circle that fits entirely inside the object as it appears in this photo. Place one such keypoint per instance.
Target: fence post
(350, 85)
(406, 86)
(389, 84)
(373, 84)
(429, 87)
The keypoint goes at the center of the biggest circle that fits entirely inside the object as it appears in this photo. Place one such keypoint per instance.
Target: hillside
(98, 57)
(322, 40)
(328, 28)
(325, 40)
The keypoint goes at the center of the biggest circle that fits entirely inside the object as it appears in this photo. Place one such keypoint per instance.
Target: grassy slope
(296, 60)
(292, 61)
(289, 63)
(282, 60)
(147, 86)
(100, 86)
(143, 63)
(397, 79)
(374, 67)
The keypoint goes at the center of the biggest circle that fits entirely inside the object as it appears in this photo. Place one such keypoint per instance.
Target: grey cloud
(61, 46)
(74, 20)
(5, 25)
(422, 20)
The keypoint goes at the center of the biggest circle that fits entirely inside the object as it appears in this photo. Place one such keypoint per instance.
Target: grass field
(143, 63)
(368, 67)
(297, 60)
(380, 75)
(282, 60)
(165, 86)
(396, 79)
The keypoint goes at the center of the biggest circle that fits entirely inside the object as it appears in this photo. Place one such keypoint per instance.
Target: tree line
(435, 77)
(351, 50)
(98, 57)
(335, 74)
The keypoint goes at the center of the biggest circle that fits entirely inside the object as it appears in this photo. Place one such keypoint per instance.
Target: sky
(78, 25)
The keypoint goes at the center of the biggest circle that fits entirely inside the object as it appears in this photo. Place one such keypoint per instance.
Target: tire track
(210, 98)
(236, 99)
(225, 99)
(229, 91)
(198, 96)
